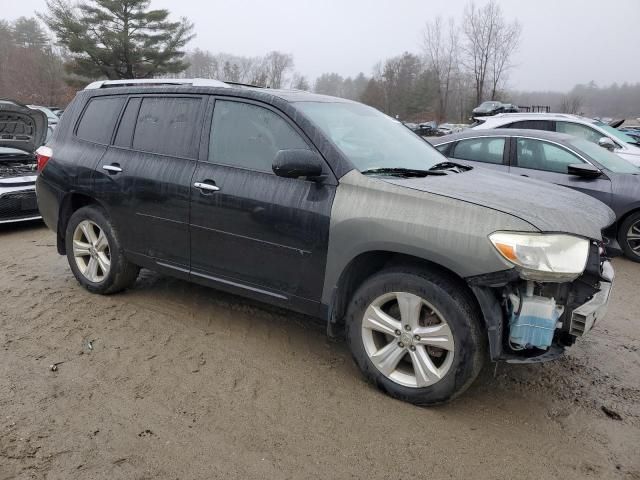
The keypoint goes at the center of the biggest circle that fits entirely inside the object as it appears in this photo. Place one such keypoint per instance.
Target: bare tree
(300, 82)
(571, 103)
(489, 45)
(278, 65)
(440, 47)
(506, 43)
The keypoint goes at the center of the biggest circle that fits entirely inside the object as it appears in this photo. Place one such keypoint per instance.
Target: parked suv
(589, 129)
(330, 208)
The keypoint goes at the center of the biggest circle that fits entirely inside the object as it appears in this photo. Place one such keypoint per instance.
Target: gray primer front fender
(369, 214)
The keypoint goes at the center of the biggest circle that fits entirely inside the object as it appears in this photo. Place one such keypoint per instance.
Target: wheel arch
(368, 263)
(71, 202)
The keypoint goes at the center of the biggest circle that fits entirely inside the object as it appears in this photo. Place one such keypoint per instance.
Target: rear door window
(249, 136)
(532, 125)
(540, 155)
(579, 130)
(128, 123)
(486, 150)
(99, 119)
(168, 126)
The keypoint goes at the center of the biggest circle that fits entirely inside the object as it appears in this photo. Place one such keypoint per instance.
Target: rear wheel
(629, 237)
(94, 253)
(416, 335)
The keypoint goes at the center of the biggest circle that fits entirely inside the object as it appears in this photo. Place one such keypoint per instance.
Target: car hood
(21, 127)
(547, 207)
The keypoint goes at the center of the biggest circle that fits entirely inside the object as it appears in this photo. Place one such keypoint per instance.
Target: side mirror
(606, 142)
(296, 163)
(584, 170)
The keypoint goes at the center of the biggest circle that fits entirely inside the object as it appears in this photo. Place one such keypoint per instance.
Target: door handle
(112, 168)
(206, 187)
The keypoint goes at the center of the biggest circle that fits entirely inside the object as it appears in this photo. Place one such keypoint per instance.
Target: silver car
(593, 130)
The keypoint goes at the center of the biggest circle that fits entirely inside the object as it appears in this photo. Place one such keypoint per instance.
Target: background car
(427, 129)
(592, 130)
(52, 119)
(488, 108)
(564, 160)
(22, 130)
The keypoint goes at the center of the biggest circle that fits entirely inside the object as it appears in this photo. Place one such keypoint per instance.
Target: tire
(447, 316)
(113, 273)
(630, 226)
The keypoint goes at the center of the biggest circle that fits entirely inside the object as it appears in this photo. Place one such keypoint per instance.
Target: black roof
(256, 93)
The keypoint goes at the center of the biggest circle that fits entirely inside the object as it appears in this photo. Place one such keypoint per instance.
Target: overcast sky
(564, 42)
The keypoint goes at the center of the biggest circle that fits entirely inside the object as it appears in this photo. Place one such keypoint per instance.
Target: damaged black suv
(330, 208)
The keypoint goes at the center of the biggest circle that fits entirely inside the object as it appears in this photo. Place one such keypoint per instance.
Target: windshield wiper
(456, 167)
(401, 172)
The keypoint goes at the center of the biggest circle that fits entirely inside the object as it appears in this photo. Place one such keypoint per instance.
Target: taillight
(43, 154)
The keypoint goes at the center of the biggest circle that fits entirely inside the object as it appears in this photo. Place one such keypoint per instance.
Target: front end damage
(531, 321)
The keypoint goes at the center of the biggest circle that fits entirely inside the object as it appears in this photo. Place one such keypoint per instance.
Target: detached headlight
(543, 257)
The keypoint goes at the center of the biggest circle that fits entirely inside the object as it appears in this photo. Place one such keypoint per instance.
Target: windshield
(604, 157)
(370, 139)
(623, 137)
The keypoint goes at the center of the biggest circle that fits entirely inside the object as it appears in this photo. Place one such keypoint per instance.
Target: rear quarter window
(99, 119)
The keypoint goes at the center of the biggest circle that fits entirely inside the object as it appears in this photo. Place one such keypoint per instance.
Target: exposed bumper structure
(585, 316)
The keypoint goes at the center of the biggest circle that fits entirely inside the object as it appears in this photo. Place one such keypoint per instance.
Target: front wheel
(94, 253)
(416, 335)
(629, 237)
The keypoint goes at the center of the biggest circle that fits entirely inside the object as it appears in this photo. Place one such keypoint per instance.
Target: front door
(145, 177)
(250, 229)
(548, 162)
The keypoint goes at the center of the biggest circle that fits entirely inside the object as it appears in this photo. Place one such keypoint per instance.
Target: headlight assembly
(546, 257)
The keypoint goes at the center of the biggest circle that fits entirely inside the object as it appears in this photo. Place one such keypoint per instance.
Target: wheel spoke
(89, 234)
(80, 249)
(103, 262)
(101, 243)
(91, 271)
(388, 357)
(425, 371)
(376, 319)
(410, 306)
(436, 335)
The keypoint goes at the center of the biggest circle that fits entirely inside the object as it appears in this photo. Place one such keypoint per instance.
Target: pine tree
(118, 39)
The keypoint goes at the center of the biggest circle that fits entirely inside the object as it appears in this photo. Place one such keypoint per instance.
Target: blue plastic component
(535, 323)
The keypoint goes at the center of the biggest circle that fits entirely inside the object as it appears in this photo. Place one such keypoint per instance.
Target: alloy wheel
(407, 339)
(633, 237)
(91, 251)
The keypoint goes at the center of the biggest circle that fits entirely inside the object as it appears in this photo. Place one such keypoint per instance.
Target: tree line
(458, 64)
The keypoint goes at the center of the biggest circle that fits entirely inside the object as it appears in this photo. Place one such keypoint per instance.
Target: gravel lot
(183, 382)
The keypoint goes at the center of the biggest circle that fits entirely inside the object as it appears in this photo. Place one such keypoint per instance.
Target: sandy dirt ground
(172, 380)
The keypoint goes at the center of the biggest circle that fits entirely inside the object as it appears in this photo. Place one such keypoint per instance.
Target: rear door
(548, 162)
(488, 152)
(145, 176)
(250, 229)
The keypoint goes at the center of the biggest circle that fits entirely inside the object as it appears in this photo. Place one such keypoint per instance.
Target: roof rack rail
(194, 82)
(248, 85)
